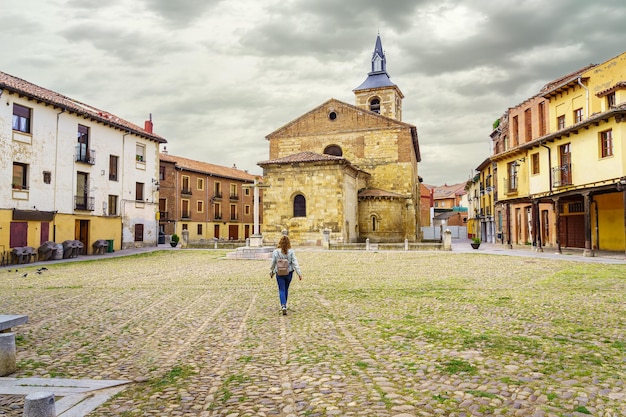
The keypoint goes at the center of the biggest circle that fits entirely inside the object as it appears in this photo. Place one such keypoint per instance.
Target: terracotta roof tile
(375, 192)
(22, 87)
(206, 168)
(621, 85)
(306, 156)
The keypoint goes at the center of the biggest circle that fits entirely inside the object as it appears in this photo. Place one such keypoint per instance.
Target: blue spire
(379, 62)
(378, 77)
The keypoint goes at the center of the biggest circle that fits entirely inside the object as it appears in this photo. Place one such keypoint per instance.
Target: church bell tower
(377, 93)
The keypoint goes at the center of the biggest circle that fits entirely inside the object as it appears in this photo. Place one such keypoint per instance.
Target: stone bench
(8, 357)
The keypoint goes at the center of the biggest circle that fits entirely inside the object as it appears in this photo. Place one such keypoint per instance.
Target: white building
(72, 171)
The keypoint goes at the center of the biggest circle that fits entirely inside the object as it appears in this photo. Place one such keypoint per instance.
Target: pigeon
(25, 275)
(39, 272)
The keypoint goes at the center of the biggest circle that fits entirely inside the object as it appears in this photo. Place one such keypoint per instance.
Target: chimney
(148, 125)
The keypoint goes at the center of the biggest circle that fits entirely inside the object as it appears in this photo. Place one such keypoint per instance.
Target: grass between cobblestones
(367, 334)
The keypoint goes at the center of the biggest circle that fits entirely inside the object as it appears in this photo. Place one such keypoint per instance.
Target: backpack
(282, 267)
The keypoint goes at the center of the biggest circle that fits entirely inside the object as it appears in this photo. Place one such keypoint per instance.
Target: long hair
(284, 244)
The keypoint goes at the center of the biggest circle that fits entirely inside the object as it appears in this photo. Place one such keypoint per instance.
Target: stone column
(447, 240)
(7, 354)
(39, 404)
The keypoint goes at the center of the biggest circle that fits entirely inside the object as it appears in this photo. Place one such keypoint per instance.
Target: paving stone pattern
(393, 334)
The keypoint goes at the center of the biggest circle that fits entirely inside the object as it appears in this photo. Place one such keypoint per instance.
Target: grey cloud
(126, 45)
(180, 13)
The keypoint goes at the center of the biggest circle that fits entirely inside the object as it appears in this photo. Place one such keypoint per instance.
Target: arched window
(375, 105)
(333, 150)
(375, 224)
(299, 206)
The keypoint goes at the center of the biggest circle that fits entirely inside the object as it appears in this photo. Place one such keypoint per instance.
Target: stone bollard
(8, 363)
(406, 244)
(367, 244)
(39, 404)
(447, 240)
(185, 241)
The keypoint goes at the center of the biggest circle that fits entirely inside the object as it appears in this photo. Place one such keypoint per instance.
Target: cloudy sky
(219, 75)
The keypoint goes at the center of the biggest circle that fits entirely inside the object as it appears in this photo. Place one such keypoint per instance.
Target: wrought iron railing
(562, 175)
(83, 202)
(84, 155)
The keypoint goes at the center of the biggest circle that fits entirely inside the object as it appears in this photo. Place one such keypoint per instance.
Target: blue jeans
(283, 287)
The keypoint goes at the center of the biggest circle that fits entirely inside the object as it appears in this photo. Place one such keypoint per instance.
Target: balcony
(233, 218)
(217, 196)
(186, 216)
(83, 202)
(562, 175)
(234, 197)
(163, 215)
(186, 191)
(218, 217)
(86, 156)
(510, 185)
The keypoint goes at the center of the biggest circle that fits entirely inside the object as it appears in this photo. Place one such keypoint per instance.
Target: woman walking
(282, 253)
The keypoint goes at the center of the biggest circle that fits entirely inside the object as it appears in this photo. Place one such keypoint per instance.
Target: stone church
(345, 172)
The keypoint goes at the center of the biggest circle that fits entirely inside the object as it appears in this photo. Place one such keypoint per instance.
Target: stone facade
(350, 170)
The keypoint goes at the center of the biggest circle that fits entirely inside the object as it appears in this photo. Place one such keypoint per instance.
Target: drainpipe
(586, 97)
(122, 195)
(56, 164)
(549, 165)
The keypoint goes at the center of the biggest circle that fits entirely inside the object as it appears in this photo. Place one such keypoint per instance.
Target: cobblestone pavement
(392, 334)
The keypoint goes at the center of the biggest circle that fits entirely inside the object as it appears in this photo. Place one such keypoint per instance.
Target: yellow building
(346, 172)
(567, 183)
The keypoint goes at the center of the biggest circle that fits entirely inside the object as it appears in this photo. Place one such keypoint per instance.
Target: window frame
(535, 164)
(217, 211)
(113, 167)
(112, 205)
(606, 143)
(560, 122)
(22, 180)
(578, 115)
(374, 105)
(139, 191)
(299, 205)
(22, 119)
(610, 100)
(140, 152)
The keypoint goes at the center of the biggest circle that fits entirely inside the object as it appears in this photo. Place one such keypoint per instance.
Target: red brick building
(209, 201)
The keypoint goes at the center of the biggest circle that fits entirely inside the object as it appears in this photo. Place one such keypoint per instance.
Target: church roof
(336, 102)
(206, 168)
(378, 193)
(375, 80)
(306, 156)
